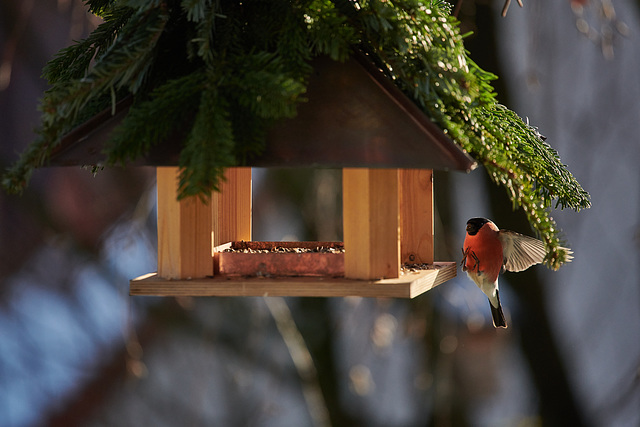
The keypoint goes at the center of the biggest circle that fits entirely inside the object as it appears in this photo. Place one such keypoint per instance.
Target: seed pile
(414, 268)
(281, 250)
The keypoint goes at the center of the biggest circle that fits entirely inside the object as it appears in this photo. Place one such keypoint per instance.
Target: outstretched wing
(520, 252)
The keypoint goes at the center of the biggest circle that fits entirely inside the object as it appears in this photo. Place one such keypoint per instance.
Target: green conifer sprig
(423, 51)
(209, 145)
(222, 71)
(73, 62)
(157, 117)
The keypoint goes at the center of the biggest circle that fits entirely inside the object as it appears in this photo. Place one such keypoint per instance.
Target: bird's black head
(475, 224)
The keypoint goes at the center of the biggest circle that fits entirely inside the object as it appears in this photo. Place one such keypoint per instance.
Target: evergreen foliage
(224, 70)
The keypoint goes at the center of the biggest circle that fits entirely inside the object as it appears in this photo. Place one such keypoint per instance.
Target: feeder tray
(279, 259)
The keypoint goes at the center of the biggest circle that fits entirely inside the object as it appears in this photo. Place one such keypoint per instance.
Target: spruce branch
(170, 107)
(423, 53)
(123, 65)
(196, 10)
(265, 87)
(100, 7)
(208, 149)
(73, 62)
(204, 15)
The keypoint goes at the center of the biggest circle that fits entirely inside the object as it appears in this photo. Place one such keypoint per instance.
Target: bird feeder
(355, 119)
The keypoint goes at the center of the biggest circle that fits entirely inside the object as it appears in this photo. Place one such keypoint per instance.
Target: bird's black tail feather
(497, 314)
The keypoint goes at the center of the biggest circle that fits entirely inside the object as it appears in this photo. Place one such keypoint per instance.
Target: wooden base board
(408, 285)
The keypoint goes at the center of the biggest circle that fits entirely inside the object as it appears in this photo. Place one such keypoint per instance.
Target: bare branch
(505, 8)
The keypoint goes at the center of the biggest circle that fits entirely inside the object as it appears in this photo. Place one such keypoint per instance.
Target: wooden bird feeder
(356, 120)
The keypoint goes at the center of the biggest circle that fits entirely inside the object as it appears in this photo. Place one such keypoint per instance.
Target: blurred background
(75, 349)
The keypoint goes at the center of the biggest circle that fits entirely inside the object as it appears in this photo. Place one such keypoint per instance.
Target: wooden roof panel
(355, 117)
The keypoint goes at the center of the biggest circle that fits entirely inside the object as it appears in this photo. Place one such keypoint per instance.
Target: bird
(488, 251)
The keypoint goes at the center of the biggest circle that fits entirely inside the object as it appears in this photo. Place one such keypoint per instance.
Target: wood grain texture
(168, 223)
(371, 223)
(231, 207)
(184, 231)
(281, 264)
(408, 285)
(355, 218)
(416, 216)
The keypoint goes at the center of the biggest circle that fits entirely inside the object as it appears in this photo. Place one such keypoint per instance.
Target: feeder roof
(355, 117)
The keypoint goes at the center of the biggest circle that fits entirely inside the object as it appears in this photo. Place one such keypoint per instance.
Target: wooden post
(184, 231)
(231, 207)
(416, 216)
(371, 223)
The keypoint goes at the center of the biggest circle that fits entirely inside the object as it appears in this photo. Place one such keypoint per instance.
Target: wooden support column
(184, 231)
(416, 216)
(371, 223)
(231, 207)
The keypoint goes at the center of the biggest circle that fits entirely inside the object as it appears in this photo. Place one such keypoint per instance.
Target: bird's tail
(497, 314)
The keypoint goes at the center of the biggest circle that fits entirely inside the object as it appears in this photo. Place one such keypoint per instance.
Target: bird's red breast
(484, 252)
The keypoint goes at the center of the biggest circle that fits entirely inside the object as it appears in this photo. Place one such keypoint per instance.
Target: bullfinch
(488, 250)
